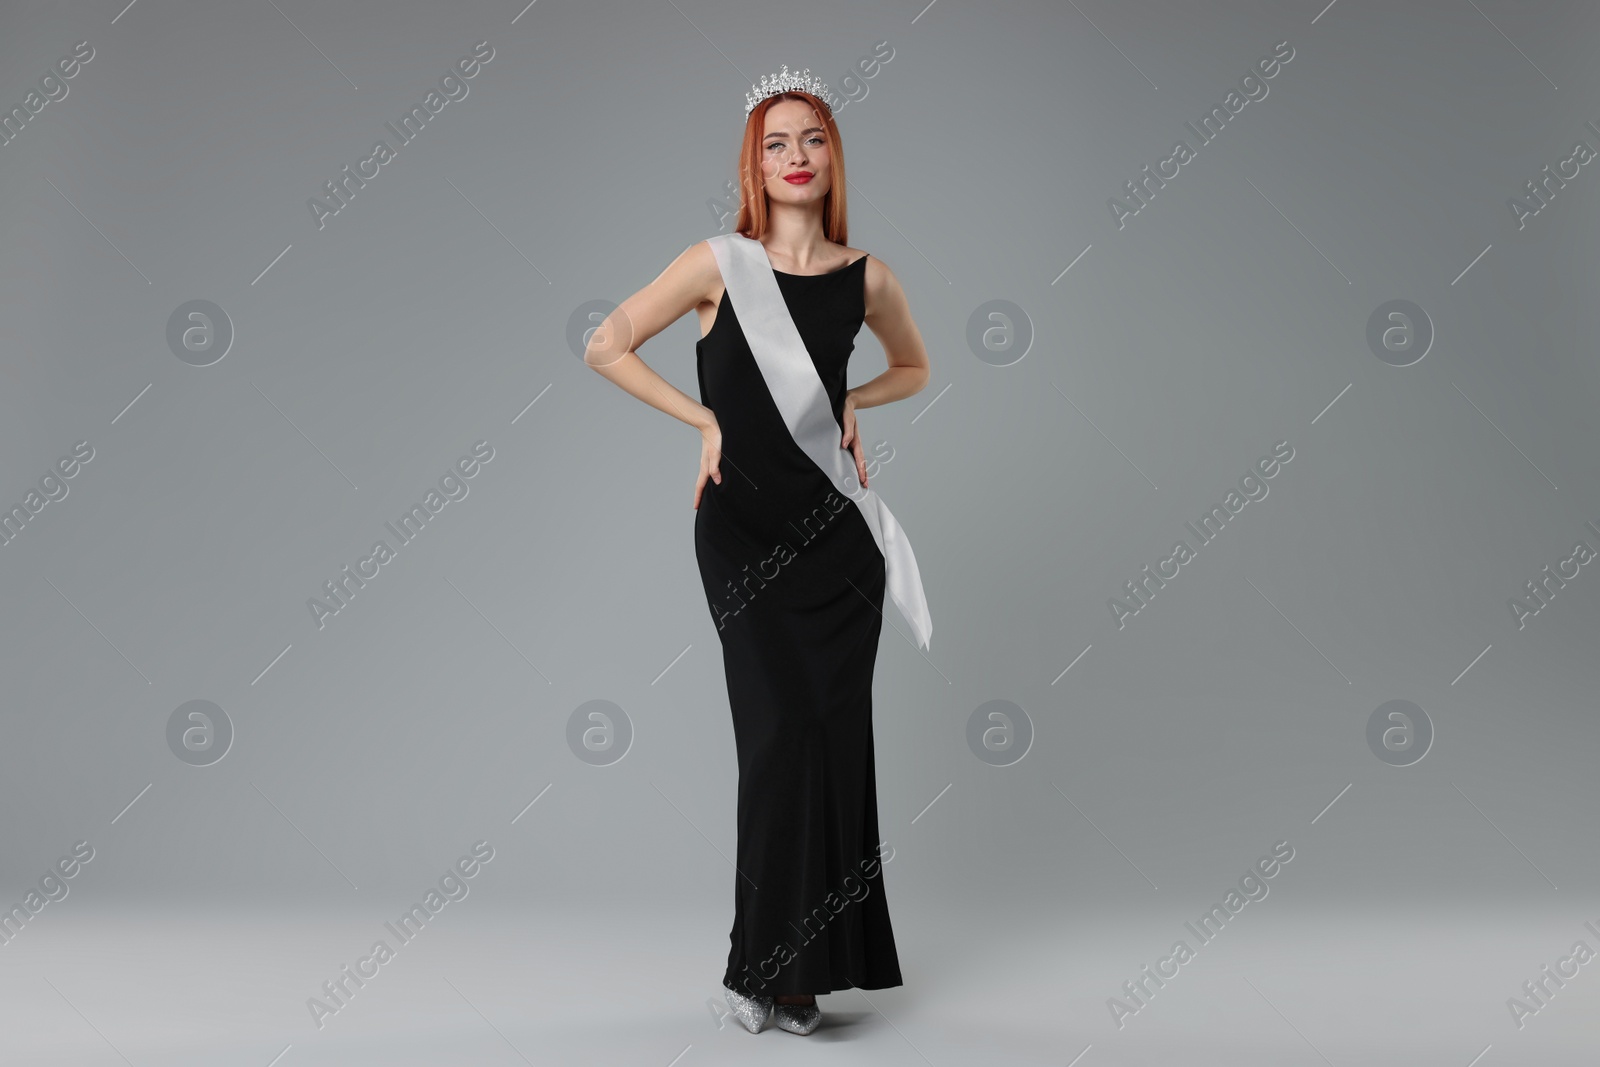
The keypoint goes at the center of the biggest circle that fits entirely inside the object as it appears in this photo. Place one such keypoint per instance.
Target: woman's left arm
(888, 316)
(889, 319)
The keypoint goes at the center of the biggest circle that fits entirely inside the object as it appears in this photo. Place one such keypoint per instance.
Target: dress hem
(839, 986)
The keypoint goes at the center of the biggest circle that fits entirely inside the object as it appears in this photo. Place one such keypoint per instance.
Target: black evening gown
(795, 584)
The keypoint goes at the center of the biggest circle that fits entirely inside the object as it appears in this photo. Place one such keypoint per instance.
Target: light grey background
(1228, 315)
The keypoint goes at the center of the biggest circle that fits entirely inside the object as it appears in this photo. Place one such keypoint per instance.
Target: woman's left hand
(852, 439)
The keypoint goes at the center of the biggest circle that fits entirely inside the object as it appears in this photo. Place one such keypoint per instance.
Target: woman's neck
(794, 232)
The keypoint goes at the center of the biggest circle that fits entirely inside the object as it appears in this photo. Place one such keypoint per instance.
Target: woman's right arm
(613, 348)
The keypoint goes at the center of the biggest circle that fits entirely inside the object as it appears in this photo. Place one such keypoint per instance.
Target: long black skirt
(799, 622)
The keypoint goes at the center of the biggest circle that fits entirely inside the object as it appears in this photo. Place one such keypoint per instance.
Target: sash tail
(901, 573)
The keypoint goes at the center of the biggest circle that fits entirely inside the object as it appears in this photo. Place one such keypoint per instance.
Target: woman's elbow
(607, 344)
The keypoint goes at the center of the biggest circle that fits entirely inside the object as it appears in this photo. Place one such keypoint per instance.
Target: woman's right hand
(710, 459)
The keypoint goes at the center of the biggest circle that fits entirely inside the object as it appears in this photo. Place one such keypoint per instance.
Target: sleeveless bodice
(768, 482)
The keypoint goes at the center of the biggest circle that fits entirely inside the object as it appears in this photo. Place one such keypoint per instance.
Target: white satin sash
(803, 402)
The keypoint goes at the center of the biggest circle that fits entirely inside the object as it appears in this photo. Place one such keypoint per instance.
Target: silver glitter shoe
(752, 1012)
(798, 1018)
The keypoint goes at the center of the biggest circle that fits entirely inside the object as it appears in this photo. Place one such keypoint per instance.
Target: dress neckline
(824, 274)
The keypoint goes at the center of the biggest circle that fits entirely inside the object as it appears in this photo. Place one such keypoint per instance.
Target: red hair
(752, 184)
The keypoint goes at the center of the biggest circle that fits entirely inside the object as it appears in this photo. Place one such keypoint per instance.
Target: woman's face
(795, 145)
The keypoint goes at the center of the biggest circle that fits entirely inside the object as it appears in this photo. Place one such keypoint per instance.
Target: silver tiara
(783, 82)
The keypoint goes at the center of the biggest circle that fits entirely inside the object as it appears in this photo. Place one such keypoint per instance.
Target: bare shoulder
(690, 282)
(696, 270)
(877, 270)
(883, 288)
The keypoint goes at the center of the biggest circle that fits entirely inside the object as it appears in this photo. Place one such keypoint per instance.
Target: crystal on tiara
(783, 82)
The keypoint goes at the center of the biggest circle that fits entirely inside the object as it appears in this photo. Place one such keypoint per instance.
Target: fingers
(711, 457)
(710, 467)
(861, 463)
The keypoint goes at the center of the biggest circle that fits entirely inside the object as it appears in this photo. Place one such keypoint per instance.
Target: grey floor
(490, 984)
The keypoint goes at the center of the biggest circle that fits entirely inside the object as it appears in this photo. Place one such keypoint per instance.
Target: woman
(794, 551)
